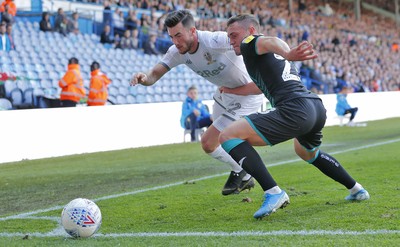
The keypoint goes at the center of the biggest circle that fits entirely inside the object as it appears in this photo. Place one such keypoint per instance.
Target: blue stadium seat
(124, 91)
(130, 99)
(158, 98)
(140, 99)
(112, 99)
(5, 104)
(9, 86)
(121, 99)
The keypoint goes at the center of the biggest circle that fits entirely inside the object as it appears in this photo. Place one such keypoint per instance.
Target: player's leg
(237, 139)
(307, 148)
(238, 179)
(333, 169)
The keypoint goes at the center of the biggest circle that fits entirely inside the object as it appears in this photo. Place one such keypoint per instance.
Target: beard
(185, 49)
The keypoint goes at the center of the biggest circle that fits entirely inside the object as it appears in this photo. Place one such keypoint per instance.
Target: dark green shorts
(301, 118)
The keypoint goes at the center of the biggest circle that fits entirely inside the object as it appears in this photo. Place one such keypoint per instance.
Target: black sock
(332, 168)
(251, 162)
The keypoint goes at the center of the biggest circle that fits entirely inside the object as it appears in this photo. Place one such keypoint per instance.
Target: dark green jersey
(277, 78)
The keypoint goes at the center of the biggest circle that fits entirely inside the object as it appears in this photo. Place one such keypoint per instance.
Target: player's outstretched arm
(149, 78)
(304, 51)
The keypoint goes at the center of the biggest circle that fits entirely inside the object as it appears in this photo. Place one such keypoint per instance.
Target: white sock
(357, 187)
(246, 177)
(220, 154)
(273, 190)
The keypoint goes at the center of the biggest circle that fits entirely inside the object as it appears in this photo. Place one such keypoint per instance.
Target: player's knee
(207, 145)
(303, 153)
(307, 155)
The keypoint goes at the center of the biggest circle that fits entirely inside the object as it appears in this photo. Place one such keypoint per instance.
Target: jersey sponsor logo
(188, 61)
(248, 39)
(207, 73)
(209, 58)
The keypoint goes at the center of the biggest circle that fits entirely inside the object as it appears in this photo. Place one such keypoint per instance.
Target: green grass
(195, 206)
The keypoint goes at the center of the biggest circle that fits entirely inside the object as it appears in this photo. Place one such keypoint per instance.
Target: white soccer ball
(81, 218)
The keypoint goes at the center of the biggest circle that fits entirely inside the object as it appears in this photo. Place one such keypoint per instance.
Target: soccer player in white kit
(210, 55)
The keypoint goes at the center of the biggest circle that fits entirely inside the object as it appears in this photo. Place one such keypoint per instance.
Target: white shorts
(230, 107)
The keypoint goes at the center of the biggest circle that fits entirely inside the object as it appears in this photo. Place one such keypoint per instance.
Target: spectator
(302, 5)
(64, 26)
(6, 15)
(45, 24)
(119, 22)
(98, 86)
(149, 46)
(132, 22)
(12, 8)
(107, 14)
(343, 107)
(59, 19)
(195, 114)
(73, 24)
(105, 36)
(72, 89)
(127, 42)
(5, 43)
(10, 36)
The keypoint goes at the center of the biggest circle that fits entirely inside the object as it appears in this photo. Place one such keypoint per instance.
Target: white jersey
(216, 61)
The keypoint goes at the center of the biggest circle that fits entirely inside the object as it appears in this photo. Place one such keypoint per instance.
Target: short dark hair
(247, 19)
(95, 65)
(73, 60)
(175, 17)
(192, 88)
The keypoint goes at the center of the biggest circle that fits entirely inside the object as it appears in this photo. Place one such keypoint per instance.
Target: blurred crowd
(362, 54)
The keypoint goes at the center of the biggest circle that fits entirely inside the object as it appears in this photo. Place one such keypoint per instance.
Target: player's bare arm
(149, 78)
(304, 51)
(248, 89)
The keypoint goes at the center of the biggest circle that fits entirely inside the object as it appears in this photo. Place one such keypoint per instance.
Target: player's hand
(138, 78)
(304, 51)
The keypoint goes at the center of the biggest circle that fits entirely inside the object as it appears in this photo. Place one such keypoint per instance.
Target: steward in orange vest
(12, 8)
(72, 88)
(98, 86)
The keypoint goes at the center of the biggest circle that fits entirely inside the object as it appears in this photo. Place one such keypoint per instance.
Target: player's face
(182, 38)
(236, 34)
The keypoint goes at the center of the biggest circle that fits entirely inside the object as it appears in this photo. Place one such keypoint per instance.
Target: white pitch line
(59, 233)
(27, 214)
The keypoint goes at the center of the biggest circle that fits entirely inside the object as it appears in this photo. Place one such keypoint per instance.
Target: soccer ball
(81, 218)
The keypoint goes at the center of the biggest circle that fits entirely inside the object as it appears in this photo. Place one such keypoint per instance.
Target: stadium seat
(112, 100)
(123, 90)
(198, 133)
(16, 97)
(5, 104)
(158, 98)
(113, 91)
(9, 86)
(29, 98)
(130, 99)
(121, 99)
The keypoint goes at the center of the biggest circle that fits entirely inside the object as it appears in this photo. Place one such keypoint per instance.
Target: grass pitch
(171, 196)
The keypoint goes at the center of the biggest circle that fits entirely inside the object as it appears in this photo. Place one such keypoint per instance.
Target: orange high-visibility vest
(12, 8)
(98, 88)
(72, 84)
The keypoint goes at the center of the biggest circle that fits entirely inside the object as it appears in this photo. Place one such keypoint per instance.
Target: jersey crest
(209, 58)
(248, 39)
